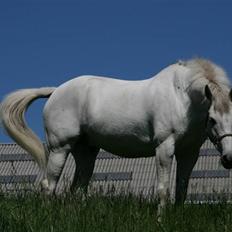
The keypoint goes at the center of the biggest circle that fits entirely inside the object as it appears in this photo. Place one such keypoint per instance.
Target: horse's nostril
(226, 162)
(224, 158)
(227, 157)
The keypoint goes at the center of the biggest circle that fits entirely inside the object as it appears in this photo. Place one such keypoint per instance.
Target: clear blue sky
(47, 42)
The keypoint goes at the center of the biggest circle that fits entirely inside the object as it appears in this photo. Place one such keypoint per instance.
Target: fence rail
(137, 175)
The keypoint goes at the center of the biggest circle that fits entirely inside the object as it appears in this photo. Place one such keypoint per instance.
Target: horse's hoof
(44, 183)
(159, 219)
(45, 187)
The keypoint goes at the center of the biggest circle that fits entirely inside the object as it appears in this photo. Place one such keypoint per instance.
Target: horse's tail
(12, 111)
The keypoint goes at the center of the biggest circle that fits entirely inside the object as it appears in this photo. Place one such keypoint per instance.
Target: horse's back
(100, 91)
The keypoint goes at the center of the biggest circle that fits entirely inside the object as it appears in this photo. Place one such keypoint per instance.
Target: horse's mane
(217, 80)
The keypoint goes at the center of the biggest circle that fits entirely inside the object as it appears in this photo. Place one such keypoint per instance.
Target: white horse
(170, 113)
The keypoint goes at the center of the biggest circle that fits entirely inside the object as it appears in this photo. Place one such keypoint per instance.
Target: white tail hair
(12, 111)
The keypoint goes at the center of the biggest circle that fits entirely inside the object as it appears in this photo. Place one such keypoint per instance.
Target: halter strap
(217, 139)
(223, 136)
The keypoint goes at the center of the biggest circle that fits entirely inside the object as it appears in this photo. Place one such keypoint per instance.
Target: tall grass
(35, 212)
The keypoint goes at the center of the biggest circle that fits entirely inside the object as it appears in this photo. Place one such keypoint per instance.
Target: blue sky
(47, 42)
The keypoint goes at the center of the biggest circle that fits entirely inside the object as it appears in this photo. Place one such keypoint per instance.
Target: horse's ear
(230, 94)
(208, 93)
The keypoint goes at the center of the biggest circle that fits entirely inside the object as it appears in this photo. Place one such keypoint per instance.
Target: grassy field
(33, 212)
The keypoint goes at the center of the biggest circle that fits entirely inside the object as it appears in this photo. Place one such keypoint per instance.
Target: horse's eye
(212, 121)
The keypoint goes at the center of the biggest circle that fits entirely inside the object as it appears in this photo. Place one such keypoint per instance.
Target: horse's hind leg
(85, 157)
(56, 161)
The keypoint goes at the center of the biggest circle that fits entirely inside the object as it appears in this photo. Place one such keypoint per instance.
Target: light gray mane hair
(217, 79)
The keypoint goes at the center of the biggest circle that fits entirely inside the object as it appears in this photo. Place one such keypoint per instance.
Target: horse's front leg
(185, 163)
(164, 156)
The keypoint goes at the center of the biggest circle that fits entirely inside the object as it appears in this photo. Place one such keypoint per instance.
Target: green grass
(34, 212)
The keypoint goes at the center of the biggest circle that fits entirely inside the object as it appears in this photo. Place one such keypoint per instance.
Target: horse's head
(219, 124)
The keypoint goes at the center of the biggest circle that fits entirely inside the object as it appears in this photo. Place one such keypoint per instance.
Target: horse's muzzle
(225, 162)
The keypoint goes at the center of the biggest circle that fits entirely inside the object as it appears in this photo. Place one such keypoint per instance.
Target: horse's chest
(193, 136)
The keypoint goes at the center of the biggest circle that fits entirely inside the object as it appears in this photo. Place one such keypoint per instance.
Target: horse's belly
(127, 146)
